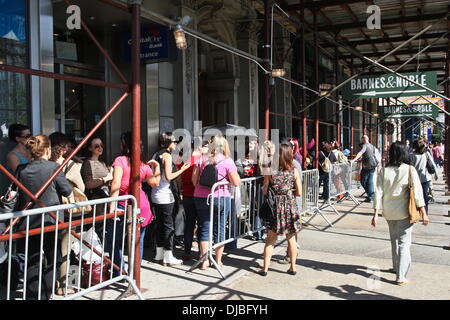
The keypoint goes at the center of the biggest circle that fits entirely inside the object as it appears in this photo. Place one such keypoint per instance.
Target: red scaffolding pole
(136, 123)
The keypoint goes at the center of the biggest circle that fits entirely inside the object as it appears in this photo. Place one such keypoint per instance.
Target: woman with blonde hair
(218, 155)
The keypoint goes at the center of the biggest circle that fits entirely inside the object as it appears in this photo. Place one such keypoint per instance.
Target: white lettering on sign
(390, 82)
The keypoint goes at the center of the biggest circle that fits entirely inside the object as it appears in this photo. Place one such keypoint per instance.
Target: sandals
(292, 272)
(204, 265)
(262, 273)
(63, 292)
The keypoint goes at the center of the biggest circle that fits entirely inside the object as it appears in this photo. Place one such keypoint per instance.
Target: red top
(186, 182)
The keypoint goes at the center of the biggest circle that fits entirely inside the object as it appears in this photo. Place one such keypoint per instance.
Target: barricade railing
(231, 218)
(310, 195)
(58, 249)
(340, 185)
(355, 177)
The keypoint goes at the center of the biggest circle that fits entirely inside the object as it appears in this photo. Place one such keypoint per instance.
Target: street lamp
(376, 115)
(358, 108)
(280, 71)
(277, 73)
(180, 37)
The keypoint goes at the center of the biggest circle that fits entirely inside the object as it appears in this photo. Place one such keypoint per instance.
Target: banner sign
(413, 108)
(389, 85)
(155, 45)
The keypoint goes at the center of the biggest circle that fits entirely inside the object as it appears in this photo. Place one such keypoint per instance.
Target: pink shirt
(145, 172)
(224, 167)
(437, 152)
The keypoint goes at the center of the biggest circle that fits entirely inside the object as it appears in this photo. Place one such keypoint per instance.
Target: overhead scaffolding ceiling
(345, 20)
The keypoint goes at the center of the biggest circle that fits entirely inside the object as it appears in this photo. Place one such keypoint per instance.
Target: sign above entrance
(389, 85)
(155, 45)
(412, 108)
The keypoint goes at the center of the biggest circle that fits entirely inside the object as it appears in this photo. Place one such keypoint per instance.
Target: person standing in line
(164, 198)
(33, 176)
(286, 186)
(438, 155)
(59, 142)
(95, 173)
(419, 161)
(408, 147)
(120, 186)
(220, 156)
(392, 198)
(324, 173)
(369, 164)
(19, 155)
(188, 202)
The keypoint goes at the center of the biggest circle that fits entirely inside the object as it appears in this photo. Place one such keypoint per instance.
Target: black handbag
(8, 201)
(268, 210)
(430, 166)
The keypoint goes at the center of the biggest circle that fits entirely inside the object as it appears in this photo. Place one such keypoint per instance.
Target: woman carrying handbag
(398, 193)
(286, 186)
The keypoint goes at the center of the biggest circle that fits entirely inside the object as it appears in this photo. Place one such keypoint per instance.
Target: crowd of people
(168, 185)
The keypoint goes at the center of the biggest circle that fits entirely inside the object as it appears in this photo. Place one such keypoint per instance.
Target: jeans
(220, 218)
(191, 220)
(325, 179)
(114, 242)
(425, 189)
(165, 230)
(142, 237)
(400, 232)
(367, 182)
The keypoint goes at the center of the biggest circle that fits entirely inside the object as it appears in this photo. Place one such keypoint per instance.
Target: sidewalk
(349, 261)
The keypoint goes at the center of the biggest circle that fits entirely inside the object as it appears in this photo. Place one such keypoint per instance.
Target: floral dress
(288, 217)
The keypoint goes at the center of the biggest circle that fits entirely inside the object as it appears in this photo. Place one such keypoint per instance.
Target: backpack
(326, 164)
(341, 158)
(210, 175)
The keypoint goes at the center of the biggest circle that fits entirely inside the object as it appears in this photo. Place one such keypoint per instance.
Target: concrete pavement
(349, 261)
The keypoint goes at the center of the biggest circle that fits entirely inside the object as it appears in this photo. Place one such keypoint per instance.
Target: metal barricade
(231, 218)
(60, 246)
(340, 185)
(310, 195)
(356, 177)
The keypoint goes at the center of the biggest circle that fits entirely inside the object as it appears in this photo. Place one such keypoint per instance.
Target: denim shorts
(222, 208)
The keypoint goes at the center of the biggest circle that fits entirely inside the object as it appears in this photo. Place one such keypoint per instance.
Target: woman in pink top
(219, 153)
(121, 186)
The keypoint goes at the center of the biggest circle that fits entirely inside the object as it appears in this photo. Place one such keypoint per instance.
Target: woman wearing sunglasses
(19, 134)
(95, 173)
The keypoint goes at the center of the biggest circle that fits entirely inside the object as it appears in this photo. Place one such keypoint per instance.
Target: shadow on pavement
(340, 268)
(350, 292)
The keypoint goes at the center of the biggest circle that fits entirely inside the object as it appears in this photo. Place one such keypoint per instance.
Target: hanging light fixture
(180, 37)
(358, 108)
(276, 73)
(376, 115)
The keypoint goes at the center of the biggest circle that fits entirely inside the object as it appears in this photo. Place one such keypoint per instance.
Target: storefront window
(13, 51)
(14, 106)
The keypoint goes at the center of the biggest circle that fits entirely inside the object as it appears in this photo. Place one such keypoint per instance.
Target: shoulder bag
(430, 166)
(268, 210)
(414, 213)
